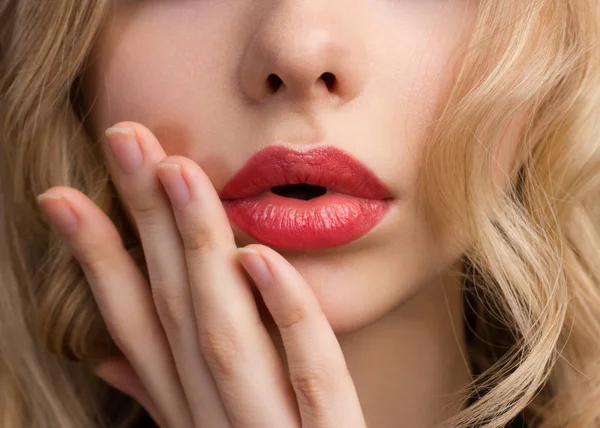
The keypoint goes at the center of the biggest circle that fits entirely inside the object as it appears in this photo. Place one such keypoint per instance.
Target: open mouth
(303, 200)
(302, 191)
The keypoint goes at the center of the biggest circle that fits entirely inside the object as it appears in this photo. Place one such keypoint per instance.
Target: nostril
(299, 191)
(329, 80)
(274, 82)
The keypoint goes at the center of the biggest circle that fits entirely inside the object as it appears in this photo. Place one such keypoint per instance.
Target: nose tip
(295, 55)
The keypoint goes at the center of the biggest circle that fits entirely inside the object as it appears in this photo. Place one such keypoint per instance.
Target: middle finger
(237, 346)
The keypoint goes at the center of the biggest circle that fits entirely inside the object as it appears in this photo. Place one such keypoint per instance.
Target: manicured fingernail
(125, 147)
(59, 212)
(171, 176)
(255, 265)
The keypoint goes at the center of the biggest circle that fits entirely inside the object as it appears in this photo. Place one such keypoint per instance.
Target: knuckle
(313, 385)
(171, 310)
(91, 261)
(198, 239)
(201, 231)
(95, 256)
(292, 317)
(143, 209)
(221, 347)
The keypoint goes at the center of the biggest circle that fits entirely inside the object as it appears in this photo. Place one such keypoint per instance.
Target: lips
(314, 199)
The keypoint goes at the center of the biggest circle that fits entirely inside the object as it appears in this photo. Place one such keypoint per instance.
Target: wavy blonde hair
(532, 281)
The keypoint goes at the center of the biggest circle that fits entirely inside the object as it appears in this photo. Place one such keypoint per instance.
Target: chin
(355, 289)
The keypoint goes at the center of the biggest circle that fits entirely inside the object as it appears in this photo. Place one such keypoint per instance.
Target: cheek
(139, 76)
(422, 77)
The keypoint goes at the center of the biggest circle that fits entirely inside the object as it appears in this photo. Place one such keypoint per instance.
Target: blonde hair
(533, 265)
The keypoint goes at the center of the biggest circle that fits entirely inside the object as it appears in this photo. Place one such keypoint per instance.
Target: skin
(372, 331)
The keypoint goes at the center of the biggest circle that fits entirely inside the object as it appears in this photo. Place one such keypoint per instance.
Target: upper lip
(325, 166)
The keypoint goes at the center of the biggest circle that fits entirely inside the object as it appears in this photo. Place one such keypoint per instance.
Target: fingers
(318, 371)
(135, 177)
(121, 293)
(243, 360)
(194, 335)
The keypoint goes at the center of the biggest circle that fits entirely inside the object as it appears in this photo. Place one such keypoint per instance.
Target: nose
(304, 51)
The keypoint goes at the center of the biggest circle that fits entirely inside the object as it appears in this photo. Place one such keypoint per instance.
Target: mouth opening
(299, 191)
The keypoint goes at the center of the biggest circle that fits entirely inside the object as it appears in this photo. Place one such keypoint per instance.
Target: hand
(196, 351)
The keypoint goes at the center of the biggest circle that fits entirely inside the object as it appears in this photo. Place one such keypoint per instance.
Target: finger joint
(314, 385)
(222, 349)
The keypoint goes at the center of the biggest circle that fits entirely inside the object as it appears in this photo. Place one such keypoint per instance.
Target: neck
(410, 365)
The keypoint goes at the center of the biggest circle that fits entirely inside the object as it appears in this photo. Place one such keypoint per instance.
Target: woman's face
(217, 81)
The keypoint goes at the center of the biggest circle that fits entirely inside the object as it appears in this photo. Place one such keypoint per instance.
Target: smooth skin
(200, 75)
(197, 353)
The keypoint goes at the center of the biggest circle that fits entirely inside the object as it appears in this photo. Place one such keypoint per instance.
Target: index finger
(324, 388)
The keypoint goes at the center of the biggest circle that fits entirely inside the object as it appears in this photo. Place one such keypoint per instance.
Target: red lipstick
(314, 199)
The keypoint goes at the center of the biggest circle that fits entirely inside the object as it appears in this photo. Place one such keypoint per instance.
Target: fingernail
(59, 212)
(255, 265)
(125, 147)
(171, 176)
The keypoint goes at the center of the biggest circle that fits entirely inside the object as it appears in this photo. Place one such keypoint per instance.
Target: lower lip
(331, 220)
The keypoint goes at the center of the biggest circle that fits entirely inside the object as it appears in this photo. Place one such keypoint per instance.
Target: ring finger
(243, 359)
(136, 152)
